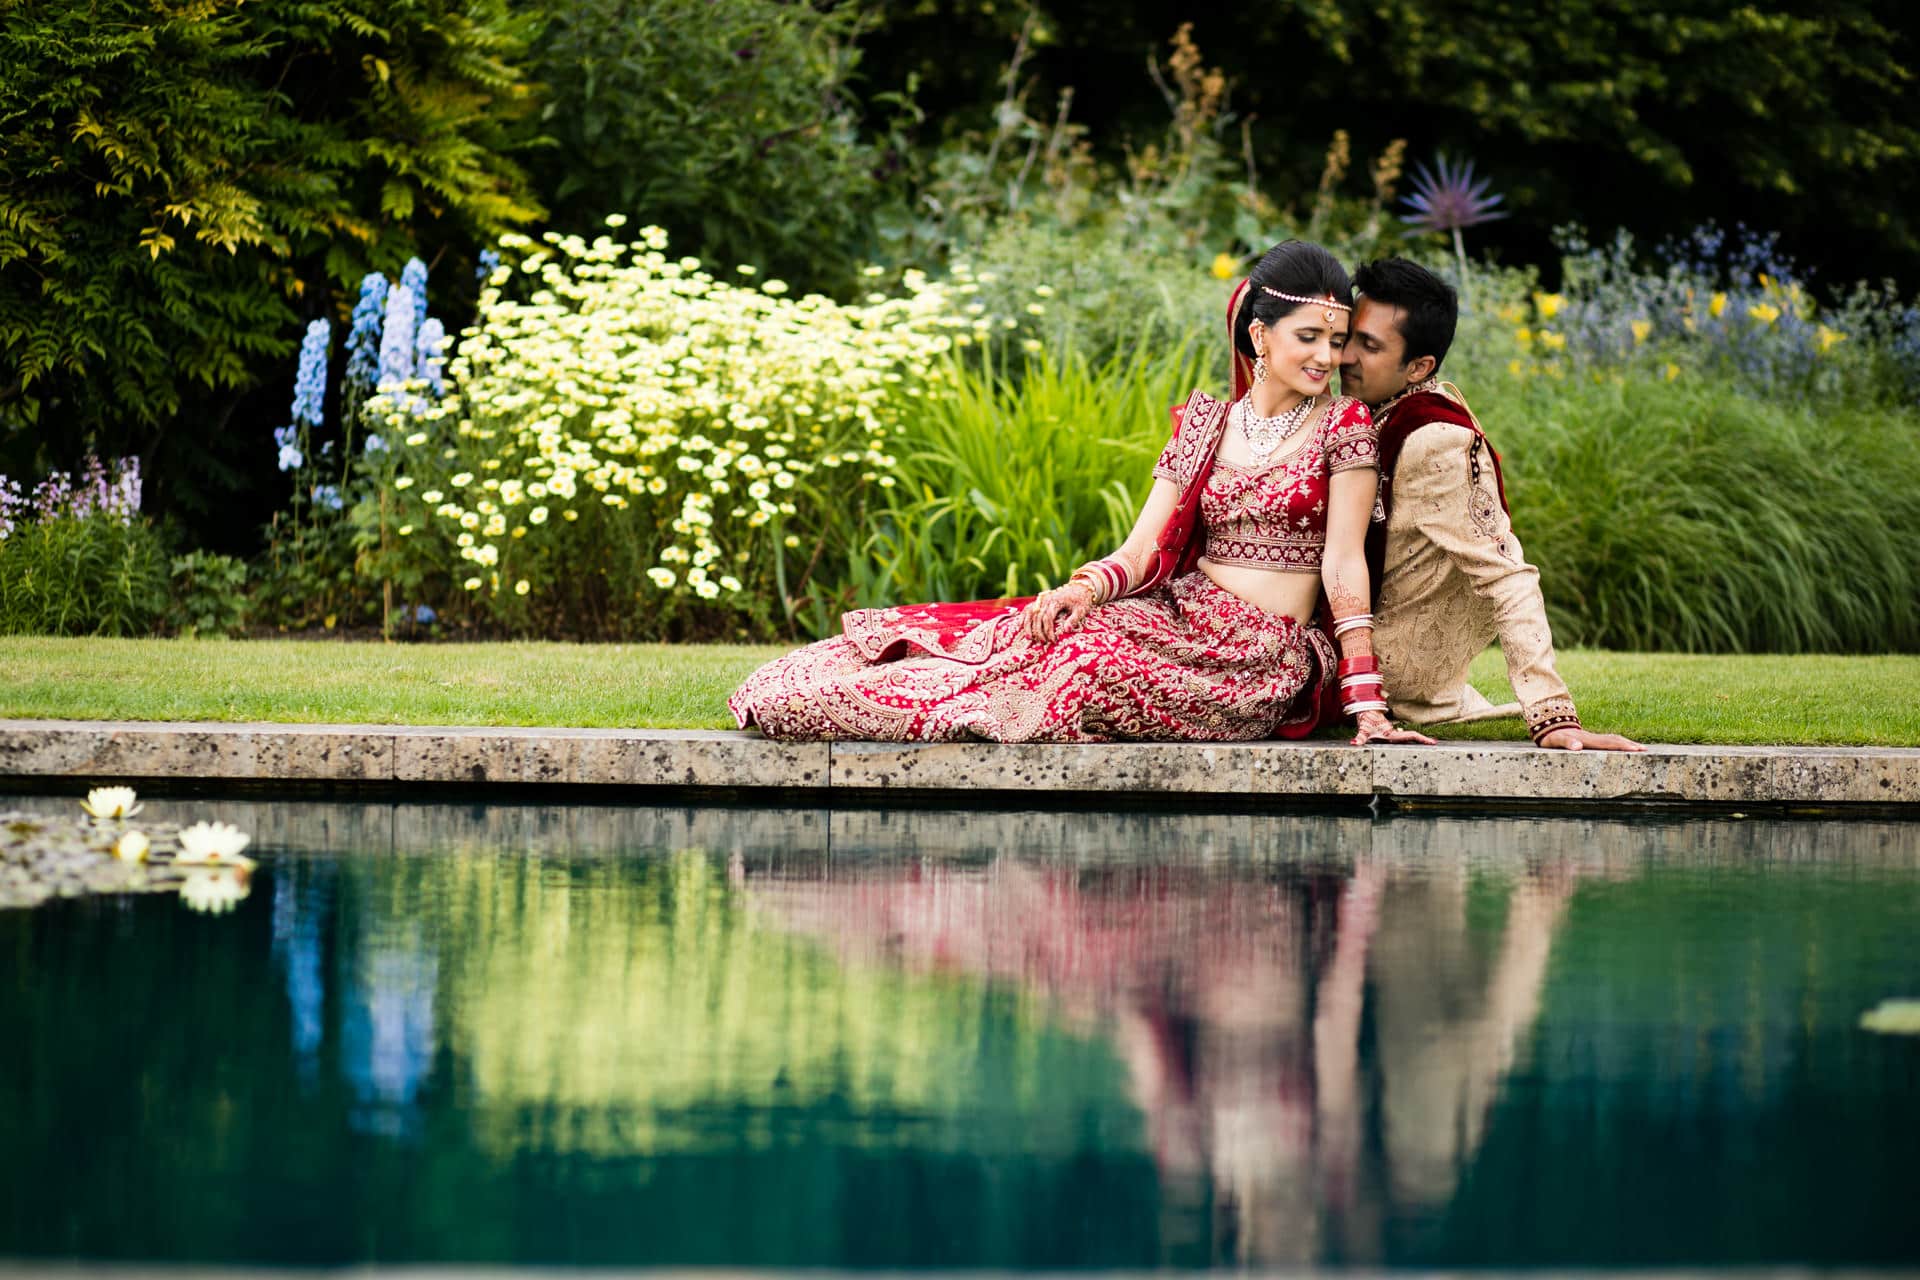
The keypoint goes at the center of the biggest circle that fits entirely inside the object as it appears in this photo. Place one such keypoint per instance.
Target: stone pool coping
(376, 755)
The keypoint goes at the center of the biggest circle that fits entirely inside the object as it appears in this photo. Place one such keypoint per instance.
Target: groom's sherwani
(1449, 574)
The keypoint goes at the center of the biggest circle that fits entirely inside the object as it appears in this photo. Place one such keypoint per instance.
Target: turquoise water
(496, 1034)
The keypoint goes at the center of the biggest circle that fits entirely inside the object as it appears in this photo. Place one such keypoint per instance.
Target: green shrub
(1677, 516)
(637, 449)
(1011, 478)
(728, 122)
(181, 183)
(86, 575)
(208, 596)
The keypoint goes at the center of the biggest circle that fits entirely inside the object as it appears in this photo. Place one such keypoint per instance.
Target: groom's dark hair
(1429, 308)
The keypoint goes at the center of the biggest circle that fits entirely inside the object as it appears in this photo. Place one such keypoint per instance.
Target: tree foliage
(1799, 116)
(728, 122)
(184, 181)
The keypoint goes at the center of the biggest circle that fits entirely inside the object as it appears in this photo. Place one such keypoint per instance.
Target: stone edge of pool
(701, 759)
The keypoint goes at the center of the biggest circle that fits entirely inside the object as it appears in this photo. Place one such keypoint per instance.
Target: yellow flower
(1553, 341)
(1673, 371)
(1516, 366)
(1829, 338)
(1523, 336)
(1512, 313)
(1225, 266)
(1548, 304)
(1716, 305)
(1641, 328)
(1765, 312)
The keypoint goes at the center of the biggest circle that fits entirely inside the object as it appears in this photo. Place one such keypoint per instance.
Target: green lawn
(1653, 697)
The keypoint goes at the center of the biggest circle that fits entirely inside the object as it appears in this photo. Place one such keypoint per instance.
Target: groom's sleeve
(1461, 514)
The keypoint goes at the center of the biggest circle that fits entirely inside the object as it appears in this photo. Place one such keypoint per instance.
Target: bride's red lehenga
(1177, 658)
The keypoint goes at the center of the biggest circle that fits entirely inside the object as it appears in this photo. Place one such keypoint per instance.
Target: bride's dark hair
(1292, 266)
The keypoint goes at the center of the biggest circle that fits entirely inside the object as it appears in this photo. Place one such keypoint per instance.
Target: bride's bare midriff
(1291, 595)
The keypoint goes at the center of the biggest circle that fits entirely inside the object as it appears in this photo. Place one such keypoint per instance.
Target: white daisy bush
(631, 445)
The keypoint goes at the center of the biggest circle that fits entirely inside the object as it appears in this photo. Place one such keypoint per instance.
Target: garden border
(408, 755)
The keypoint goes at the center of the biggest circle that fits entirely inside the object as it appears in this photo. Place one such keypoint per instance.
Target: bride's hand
(1375, 727)
(1054, 613)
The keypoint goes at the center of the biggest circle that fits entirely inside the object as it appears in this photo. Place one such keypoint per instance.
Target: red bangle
(1364, 664)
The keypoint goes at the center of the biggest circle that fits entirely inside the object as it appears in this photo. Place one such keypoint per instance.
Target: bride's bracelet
(1107, 579)
(1360, 685)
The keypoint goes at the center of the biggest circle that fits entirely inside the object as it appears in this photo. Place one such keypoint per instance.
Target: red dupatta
(952, 630)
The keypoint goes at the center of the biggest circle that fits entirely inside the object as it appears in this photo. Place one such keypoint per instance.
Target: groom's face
(1373, 366)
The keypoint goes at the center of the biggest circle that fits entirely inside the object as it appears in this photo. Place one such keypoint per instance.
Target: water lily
(213, 842)
(132, 847)
(214, 889)
(110, 802)
(1893, 1018)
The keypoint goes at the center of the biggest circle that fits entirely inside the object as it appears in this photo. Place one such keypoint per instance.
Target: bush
(1010, 479)
(181, 184)
(638, 449)
(1676, 516)
(209, 595)
(728, 122)
(78, 559)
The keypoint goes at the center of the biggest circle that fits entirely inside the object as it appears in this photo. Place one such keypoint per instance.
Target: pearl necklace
(1264, 435)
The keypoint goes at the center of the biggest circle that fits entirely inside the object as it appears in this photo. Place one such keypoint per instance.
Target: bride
(1201, 626)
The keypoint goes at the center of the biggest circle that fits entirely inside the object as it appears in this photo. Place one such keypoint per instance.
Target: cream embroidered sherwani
(1455, 580)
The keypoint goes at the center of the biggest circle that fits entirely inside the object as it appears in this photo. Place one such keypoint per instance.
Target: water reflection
(725, 1037)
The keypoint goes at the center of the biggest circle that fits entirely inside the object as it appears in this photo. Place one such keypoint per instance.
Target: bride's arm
(1060, 610)
(1343, 575)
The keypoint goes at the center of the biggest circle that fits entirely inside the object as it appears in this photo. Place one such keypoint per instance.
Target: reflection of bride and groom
(1301, 557)
(1313, 1051)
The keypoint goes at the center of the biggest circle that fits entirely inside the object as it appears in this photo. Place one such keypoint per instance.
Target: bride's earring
(1260, 368)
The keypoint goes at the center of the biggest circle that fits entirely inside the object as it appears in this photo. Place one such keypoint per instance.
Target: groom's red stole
(1419, 410)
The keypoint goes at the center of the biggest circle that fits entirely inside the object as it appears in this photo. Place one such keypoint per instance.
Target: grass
(1817, 700)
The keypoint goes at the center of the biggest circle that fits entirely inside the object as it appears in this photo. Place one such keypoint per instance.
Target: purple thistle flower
(1447, 199)
(363, 338)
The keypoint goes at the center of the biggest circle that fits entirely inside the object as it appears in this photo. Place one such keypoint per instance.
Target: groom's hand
(1571, 739)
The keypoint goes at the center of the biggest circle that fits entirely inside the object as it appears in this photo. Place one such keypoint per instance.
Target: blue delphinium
(310, 383)
(363, 339)
(328, 496)
(375, 444)
(413, 277)
(396, 341)
(484, 268)
(430, 350)
(291, 459)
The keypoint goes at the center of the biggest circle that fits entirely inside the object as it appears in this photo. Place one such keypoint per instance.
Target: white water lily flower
(214, 889)
(110, 802)
(211, 842)
(132, 847)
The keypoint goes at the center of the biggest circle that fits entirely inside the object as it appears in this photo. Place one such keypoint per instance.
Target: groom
(1449, 574)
